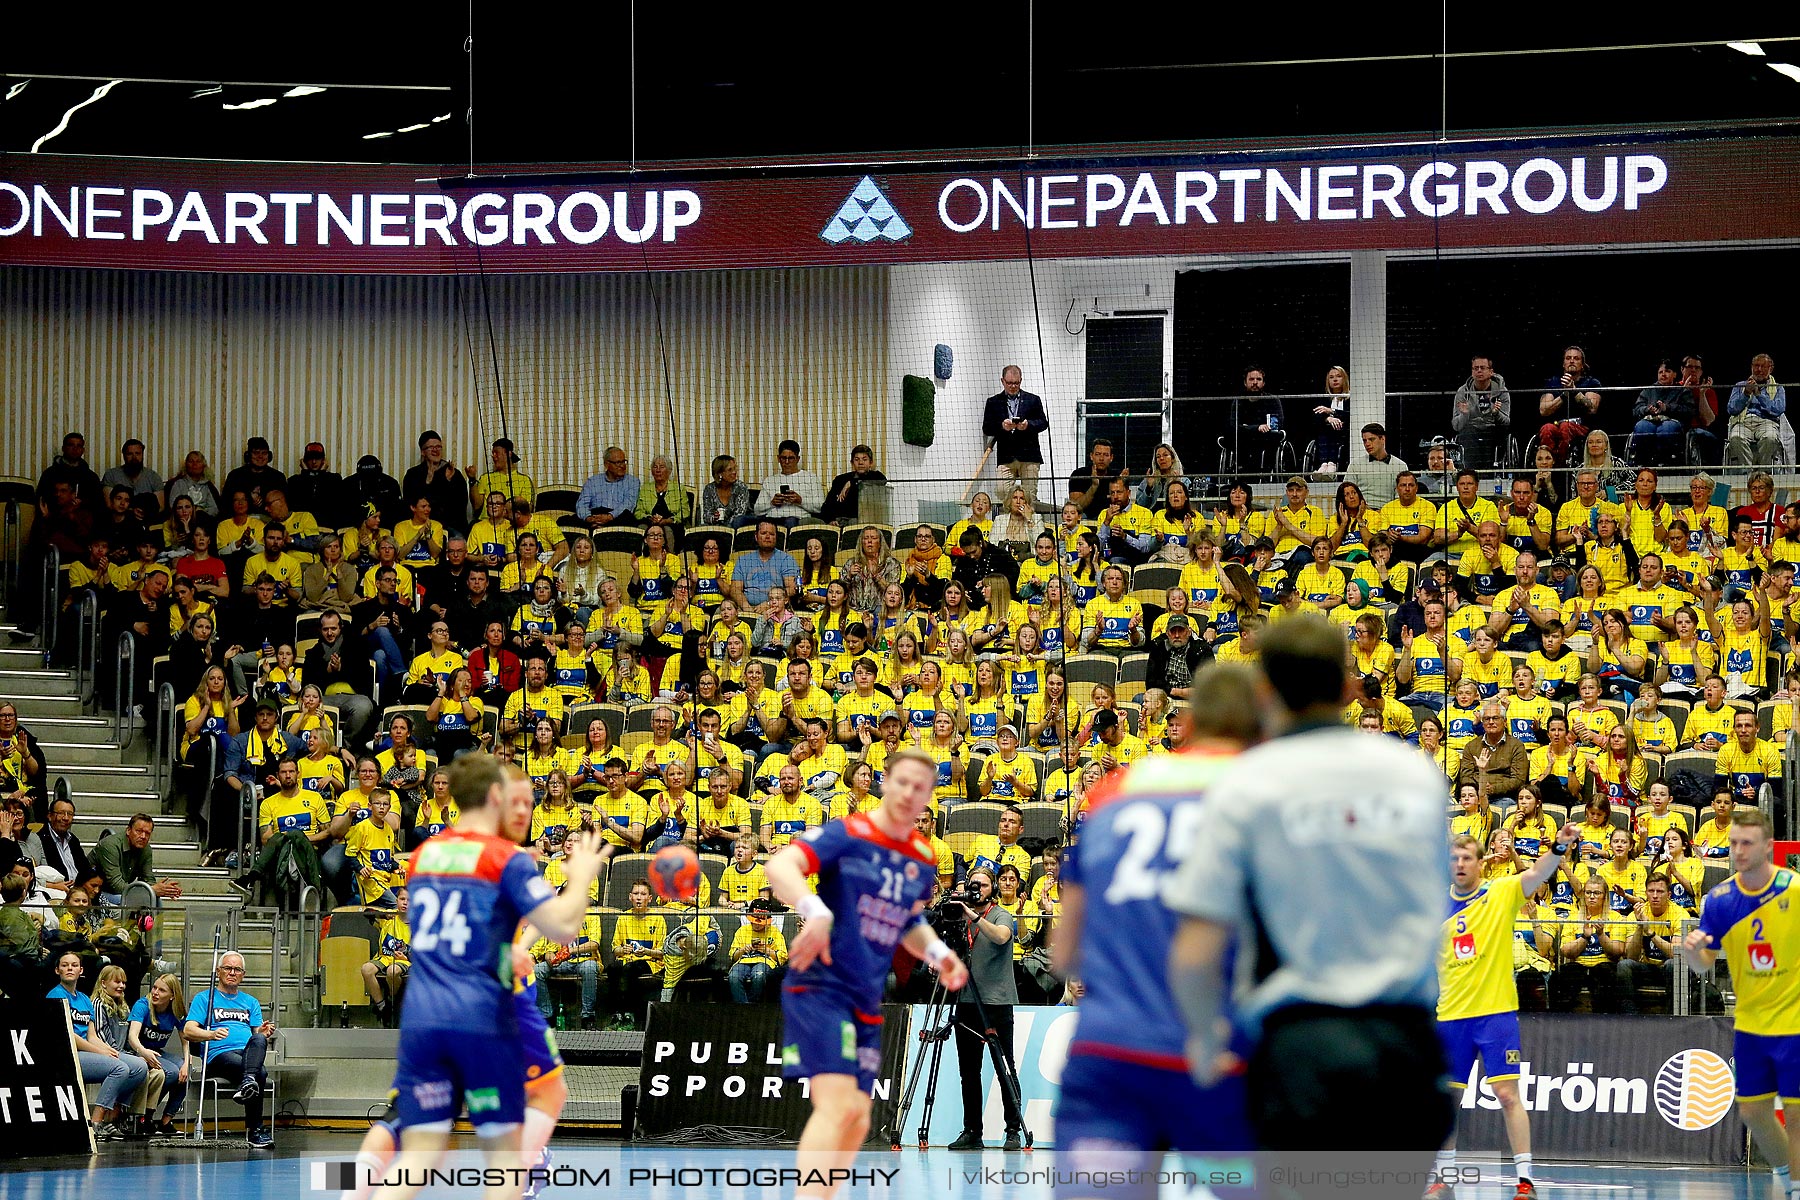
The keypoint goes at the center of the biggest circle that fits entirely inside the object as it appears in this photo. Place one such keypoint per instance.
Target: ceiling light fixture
(1751, 48)
(1788, 69)
(369, 137)
(445, 117)
(63, 124)
(262, 102)
(16, 88)
(305, 89)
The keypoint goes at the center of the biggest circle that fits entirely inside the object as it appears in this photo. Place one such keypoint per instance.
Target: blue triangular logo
(865, 215)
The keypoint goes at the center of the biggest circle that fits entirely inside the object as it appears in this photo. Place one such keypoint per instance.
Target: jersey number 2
(454, 931)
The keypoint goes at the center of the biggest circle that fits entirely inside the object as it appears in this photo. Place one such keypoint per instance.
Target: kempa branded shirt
(1329, 845)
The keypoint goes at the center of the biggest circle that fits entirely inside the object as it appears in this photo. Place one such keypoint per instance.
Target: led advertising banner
(273, 217)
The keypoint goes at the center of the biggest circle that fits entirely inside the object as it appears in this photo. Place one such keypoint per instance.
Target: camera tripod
(939, 1028)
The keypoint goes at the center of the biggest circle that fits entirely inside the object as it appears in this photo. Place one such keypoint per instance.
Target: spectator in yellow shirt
(741, 883)
(1462, 515)
(758, 950)
(1296, 523)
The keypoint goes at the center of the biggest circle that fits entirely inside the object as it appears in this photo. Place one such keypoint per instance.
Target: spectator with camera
(986, 1004)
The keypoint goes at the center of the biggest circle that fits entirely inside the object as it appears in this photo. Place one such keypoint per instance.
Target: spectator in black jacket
(843, 497)
(337, 659)
(978, 560)
(384, 622)
(436, 478)
(1175, 657)
(444, 582)
(57, 847)
(477, 604)
(1259, 422)
(144, 614)
(252, 622)
(71, 467)
(372, 485)
(319, 491)
(1013, 419)
(256, 476)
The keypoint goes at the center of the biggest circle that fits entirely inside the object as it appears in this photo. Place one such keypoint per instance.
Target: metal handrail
(311, 916)
(1790, 784)
(9, 537)
(167, 739)
(52, 611)
(125, 687)
(87, 649)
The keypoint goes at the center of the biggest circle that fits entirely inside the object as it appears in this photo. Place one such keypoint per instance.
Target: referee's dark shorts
(1350, 1079)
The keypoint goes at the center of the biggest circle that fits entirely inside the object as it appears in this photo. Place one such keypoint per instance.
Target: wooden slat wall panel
(363, 363)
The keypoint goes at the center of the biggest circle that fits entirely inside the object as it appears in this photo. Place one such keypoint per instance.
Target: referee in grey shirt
(1322, 853)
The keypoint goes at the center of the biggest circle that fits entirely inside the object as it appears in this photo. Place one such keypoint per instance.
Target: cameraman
(989, 931)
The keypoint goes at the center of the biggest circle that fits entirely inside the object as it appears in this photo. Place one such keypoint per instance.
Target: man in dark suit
(1014, 418)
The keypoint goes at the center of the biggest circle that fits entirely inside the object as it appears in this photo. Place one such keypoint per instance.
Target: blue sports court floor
(230, 1171)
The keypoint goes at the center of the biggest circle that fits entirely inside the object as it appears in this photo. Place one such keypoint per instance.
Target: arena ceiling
(671, 81)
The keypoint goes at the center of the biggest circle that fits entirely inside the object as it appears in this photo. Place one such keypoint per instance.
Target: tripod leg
(937, 1060)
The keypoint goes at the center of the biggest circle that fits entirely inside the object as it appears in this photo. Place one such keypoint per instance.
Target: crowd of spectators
(738, 668)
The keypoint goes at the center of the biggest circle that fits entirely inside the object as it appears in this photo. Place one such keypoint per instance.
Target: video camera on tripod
(951, 916)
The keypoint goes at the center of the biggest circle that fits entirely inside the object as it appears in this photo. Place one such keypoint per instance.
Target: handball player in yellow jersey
(1748, 919)
(1478, 1001)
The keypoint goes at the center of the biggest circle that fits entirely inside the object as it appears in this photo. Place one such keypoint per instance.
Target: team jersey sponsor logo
(1760, 956)
(1462, 946)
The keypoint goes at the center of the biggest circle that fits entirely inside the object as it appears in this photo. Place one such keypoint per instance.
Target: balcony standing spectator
(504, 477)
(1569, 404)
(792, 496)
(1756, 407)
(195, 483)
(71, 467)
(1013, 419)
(1481, 414)
(757, 570)
(228, 1022)
(843, 499)
(436, 478)
(1662, 415)
(125, 860)
(132, 473)
(318, 490)
(256, 476)
(1330, 417)
(1709, 445)
(610, 496)
(1088, 486)
(1260, 423)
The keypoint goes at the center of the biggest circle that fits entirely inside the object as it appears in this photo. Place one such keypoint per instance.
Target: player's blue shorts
(1494, 1039)
(1117, 1105)
(442, 1069)
(537, 1045)
(824, 1034)
(1767, 1065)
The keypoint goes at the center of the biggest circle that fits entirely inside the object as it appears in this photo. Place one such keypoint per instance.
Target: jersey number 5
(454, 931)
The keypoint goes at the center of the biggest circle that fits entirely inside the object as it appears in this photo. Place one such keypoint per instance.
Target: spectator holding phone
(792, 495)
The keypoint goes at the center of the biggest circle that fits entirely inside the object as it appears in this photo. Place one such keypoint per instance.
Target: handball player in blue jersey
(546, 1091)
(459, 1034)
(1126, 1092)
(876, 873)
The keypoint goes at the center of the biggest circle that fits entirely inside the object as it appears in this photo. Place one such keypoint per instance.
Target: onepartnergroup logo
(866, 215)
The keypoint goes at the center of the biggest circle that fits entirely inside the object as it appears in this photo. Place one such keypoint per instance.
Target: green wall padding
(918, 410)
